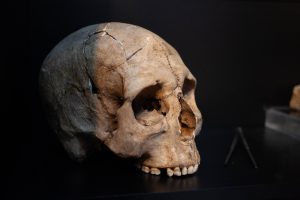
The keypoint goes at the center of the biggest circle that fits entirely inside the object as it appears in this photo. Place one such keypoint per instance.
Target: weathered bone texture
(125, 87)
(295, 99)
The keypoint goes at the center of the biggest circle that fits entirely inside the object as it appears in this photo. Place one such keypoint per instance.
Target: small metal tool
(239, 133)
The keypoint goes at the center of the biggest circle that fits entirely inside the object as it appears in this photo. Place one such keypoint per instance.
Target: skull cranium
(127, 87)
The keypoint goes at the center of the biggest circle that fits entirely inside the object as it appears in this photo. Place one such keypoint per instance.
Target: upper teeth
(177, 171)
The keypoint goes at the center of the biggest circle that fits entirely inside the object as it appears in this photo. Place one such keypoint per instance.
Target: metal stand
(239, 133)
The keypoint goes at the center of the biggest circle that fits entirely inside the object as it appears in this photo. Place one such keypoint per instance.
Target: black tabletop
(45, 172)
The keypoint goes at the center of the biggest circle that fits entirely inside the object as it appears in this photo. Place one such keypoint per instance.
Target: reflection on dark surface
(295, 113)
(44, 170)
(167, 184)
(290, 111)
(283, 154)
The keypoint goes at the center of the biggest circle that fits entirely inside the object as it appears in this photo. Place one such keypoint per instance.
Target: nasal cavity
(187, 120)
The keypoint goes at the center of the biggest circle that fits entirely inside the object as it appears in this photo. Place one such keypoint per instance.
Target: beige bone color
(125, 87)
(295, 99)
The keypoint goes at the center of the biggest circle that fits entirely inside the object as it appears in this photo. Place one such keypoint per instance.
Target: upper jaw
(176, 168)
(176, 171)
(173, 158)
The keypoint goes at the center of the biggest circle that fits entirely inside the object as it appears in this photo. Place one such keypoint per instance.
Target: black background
(244, 54)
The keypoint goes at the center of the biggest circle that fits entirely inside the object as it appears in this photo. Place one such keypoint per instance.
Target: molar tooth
(195, 168)
(190, 169)
(145, 169)
(184, 171)
(177, 171)
(155, 171)
(170, 172)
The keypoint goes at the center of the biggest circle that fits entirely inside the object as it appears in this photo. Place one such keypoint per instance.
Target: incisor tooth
(184, 171)
(145, 169)
(170, 172)
(177, 171)
(190, 170)
(195, 168)
(155, 171)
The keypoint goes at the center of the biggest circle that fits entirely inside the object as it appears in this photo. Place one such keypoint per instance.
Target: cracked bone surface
(123, 86)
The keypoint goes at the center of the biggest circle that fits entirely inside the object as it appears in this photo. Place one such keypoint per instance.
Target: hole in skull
(188, 86)
(147, 108)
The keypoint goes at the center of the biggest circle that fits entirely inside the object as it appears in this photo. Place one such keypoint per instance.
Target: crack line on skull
(129, 57)
(106, 107)
(123, 85)
(104, 32)
(167, 95)
(168, 60)
(169, 63)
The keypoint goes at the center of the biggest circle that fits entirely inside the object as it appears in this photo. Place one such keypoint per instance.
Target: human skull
(127, 88)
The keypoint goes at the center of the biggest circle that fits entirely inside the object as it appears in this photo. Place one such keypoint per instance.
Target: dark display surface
(45, 172)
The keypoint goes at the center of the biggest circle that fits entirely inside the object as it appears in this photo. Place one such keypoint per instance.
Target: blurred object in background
(295, 99)
(286, 119)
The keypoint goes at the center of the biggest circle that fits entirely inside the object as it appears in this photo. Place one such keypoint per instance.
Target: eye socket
(188, 86)
(151, 104)
(146, 100)
(147, 108)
